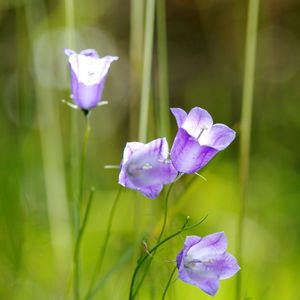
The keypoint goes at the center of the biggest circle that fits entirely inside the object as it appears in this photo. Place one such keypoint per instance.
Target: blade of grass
(247, 103)
(163, 86)
(147, 67)
(136, 59)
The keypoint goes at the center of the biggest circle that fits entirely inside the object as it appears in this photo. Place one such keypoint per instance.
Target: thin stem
(83, 159)
(248, 88)
(105, 243)
(162, 56)
(77, 246)
(165, 212)
(143, 259)
(147, 66)
(158, 240)
(168, 283)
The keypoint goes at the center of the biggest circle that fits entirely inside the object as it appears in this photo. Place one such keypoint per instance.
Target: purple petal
(209, 246)
(197, 121)
(228, 266)
(209, 286)
(69, 52)
(130, 148)
(158, 147)
(145, 167)
(219, 136)
(85, 96)
(207, 282)
(90, 52)
(88, 76)
(151, 191)
(180, 115)
(187, 155)
(188, 243)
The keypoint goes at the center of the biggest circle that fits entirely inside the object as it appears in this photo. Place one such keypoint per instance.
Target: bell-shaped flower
(198, 140)
(203, 262)
(88, 74)
(146, 168)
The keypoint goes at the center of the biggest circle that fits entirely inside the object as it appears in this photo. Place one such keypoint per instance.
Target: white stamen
(74, 106)
(200, 176)
(111, 167)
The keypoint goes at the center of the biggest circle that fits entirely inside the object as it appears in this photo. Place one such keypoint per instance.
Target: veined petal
(207, 282)
(151, 191)
(209, 246)
(145, 167)
(180, 115)
(226, 266)
(219, 136)
(158, 147)
(187, 155)
(188, 243)
(131, 148)
(197, 121)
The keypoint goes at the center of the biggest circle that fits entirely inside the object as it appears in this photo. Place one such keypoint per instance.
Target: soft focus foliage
(205, 55)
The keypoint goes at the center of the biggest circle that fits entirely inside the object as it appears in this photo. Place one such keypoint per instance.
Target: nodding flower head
(198, 140)
(203, 262)
(88, 74)
(146, 168)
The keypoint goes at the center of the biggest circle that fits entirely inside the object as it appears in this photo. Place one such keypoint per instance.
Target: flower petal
(187, 155)
(209, 246)
(219, 136)
(158, 147)
(145, 167)
(228, 266)
(69, 52)
(90, 70)
(207, 282)
(180, 115)
(151, 191)
(197, 121)
(188, 243)
(85, 96)
(131, 148)
(90, 52)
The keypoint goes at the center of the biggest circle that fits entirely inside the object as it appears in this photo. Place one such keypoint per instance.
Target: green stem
(83, 159)
(168, 283)
(158, 240)
(77, 247)
(152, 250)
(147, 66)
(104, 246)
(162, 56)
(247, 102)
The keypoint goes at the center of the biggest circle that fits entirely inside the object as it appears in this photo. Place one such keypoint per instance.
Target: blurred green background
(40, 142)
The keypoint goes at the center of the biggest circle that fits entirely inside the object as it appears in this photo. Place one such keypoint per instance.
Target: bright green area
(205, 59)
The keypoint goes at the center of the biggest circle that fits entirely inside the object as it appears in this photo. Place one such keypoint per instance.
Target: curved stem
(159, 238)
(168, 283)
(143, 259)
(77, 246)
(104, 246)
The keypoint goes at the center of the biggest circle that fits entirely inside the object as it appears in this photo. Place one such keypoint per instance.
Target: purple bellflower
(203, 262)
(146, 168)
(198, 140)
(88, 74)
